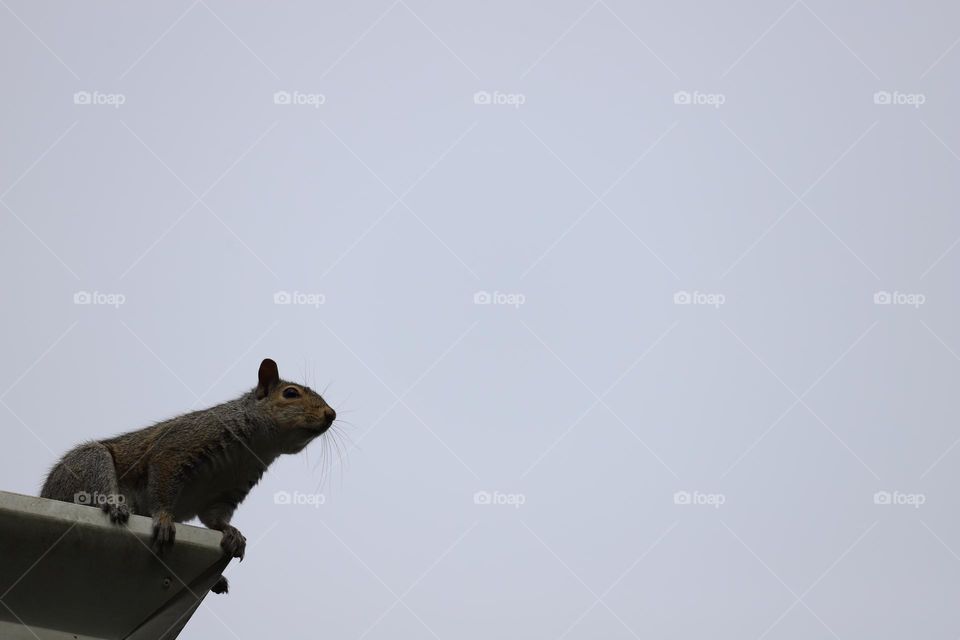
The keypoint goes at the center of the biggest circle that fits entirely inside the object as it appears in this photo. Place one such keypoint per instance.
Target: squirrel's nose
(329, 414)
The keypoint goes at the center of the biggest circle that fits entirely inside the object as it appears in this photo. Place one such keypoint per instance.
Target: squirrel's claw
(222, 586)
(234, 543)
(119, 513)
(164, 533)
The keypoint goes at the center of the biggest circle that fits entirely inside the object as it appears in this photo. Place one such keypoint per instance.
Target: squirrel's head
(299, 413)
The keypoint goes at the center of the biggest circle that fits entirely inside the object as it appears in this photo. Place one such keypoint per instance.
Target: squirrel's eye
(290, 392)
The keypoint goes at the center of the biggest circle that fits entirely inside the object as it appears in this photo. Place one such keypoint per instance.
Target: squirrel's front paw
(119, 513)
(234, 543)
(164, 533)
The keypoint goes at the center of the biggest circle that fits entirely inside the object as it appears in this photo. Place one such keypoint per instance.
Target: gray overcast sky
(633, 308)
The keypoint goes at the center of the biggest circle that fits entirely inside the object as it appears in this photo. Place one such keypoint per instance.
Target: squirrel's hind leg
(87, 475)
(221, 587)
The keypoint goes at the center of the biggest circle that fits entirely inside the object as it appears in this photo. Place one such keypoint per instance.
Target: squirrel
(200, 464)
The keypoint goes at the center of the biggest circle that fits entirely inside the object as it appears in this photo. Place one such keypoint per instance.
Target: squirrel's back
(193, 435)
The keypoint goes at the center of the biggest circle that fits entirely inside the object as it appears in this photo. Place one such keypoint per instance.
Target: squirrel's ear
(269, 377)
